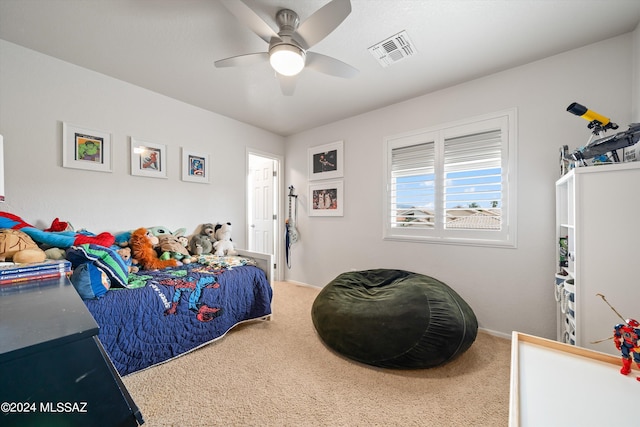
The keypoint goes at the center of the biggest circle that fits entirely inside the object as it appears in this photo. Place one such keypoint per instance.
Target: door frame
(278, 191)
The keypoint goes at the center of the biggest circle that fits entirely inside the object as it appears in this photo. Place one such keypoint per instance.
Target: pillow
(90, 281)
(106, 259)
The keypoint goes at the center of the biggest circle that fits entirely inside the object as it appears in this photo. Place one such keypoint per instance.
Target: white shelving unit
(598, 212)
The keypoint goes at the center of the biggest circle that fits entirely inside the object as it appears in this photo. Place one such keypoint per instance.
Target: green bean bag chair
(393, 319)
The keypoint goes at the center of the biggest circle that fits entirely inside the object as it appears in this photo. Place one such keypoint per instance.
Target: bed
(168, 313)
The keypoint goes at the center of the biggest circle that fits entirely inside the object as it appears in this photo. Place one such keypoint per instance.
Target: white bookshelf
(598, 211)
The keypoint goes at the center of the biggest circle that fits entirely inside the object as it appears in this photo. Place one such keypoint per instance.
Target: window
(453, 183)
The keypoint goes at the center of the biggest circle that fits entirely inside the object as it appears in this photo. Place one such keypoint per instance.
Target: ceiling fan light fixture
(287, 59)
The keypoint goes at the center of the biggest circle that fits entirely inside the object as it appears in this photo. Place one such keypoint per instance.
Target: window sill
(506, 244)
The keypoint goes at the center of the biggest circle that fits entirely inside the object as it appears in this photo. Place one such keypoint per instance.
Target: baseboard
(496, 333)
(306, 285)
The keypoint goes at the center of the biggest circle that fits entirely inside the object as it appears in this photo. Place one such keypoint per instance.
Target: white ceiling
(169, 47)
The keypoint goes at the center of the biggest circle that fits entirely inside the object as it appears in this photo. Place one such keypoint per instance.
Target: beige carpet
(278, 373)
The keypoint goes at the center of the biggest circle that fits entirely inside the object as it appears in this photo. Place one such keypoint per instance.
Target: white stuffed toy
(223, 244)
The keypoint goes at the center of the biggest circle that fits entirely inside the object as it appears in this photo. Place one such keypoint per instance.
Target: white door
(261, 200)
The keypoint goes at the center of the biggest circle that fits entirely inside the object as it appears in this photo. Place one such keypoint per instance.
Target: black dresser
(53, 369)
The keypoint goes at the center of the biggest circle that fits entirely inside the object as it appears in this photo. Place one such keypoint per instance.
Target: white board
(555, 384)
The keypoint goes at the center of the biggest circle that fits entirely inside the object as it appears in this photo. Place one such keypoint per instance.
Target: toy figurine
(625, 337)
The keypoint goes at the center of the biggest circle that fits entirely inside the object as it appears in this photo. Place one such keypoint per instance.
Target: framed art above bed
(195, 166)
(148, 159)
(84, 148)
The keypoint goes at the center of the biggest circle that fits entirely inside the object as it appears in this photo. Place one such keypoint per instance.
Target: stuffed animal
(170, 247)
(58, 225)
(223, 244)
(209, 230)
(200, 245)
(59, 239)
(142, 249)
(125, 254)
(55, 253)
(184, 241)
(162, 231)
(17, 246)
(122, 239)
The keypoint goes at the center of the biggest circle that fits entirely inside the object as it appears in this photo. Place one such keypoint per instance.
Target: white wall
(509, 289)
(635, 85)
(38, 93)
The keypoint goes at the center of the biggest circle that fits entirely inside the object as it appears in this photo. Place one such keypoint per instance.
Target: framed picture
(326, 161)
(148, 159)
(195, 166)
(326, 198)
(84, 148)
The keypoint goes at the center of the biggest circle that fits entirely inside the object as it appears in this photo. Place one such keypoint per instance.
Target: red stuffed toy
(142, 249)
(58, 225)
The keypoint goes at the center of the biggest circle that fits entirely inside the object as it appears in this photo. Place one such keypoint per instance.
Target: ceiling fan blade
(287, 84)
(323, 22)
(248, 17)
(328, 65)
(243, 60)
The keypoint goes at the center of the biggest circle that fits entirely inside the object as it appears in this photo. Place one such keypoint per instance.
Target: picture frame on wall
(326, 198)
(84, 148)
(148, 159)
(195, 166)
(326, 161)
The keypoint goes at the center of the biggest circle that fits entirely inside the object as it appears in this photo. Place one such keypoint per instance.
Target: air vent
(394, 49)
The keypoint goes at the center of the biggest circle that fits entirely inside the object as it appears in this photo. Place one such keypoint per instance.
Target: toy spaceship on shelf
(601, 146)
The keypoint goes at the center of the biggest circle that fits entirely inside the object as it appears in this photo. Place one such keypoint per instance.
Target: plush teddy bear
(125, 254)
(209, 230)
(142, 249)
(200, 245)
(17, 246)
(223, 244)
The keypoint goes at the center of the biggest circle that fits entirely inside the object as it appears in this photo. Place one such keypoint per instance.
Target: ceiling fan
(288, 51)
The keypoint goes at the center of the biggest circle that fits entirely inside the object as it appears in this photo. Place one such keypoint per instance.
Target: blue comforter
(175, 311)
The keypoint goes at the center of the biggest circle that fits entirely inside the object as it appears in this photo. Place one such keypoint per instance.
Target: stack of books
(12, 273)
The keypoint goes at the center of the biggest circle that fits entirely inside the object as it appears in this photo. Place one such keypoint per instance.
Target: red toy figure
(625, 336)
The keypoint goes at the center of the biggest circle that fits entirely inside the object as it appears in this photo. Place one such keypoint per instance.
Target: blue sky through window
(477, 188)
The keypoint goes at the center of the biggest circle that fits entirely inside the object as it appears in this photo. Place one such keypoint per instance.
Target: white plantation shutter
(412, 185)
(451, 183)
(473, 162)
(478, 151)
(413, 159)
